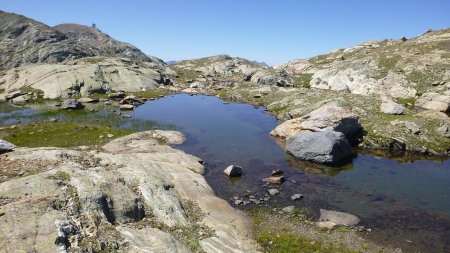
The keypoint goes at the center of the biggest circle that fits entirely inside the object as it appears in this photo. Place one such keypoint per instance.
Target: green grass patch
(150, 93)
(61, 134)
(303, 80)
(407, 101)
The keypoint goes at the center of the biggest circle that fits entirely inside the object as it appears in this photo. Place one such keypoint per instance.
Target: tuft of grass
(62, 175)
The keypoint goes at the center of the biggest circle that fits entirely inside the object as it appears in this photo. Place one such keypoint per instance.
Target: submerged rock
(339, 218)
(320, 147)
(233, 171)
(88, 100)
(275, 180)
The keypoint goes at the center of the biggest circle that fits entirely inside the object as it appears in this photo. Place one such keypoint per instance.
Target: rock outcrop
(133, 195)
(395, 68)
(71, 60)
(39, 43)
(328, 117)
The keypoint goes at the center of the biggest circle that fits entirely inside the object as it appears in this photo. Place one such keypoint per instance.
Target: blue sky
(262, 30)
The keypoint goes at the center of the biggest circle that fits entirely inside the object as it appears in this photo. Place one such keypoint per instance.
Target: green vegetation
(303, 80)
(279, 234)
(62, 175)
(387, 63)
(407, 101)
(60, 134)
(150, 93)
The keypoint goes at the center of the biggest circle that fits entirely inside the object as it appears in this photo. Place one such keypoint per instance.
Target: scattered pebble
(273, 192)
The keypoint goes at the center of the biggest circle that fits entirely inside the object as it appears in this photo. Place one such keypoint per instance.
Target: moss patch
(60, 134)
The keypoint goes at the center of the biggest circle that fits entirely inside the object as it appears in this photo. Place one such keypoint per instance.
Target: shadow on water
(403, 199)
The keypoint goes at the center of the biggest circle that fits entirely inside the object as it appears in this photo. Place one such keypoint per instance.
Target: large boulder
(434, 101)
(330, 117)
(329, 147)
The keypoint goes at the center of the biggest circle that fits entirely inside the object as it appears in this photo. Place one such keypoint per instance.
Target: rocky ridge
(71, 60)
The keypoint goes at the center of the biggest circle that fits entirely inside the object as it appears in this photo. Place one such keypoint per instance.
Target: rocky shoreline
(134, 194)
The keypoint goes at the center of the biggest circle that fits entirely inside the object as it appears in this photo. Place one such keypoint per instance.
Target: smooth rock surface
(94, 193)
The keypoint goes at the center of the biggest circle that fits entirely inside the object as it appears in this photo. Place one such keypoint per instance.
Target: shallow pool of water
(405, 204)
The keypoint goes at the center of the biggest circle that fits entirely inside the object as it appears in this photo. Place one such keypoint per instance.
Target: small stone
(238, 202)
(296, 196)
(326, 224)
(288, 209)
(273, 192)
(257, 96)
(233, 171)
(110, 135)
(127, 107)
(274, 180)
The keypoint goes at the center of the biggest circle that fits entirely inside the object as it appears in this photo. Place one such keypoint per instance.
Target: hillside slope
(24, 41)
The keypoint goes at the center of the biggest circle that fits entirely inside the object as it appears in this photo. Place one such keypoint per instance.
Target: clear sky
(263, 30)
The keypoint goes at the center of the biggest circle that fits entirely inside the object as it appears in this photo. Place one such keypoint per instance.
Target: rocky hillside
(229, 70)
(404, 69)
(71, 60)
(24, 41)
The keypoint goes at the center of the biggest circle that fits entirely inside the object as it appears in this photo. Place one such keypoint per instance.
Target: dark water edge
(404, 201)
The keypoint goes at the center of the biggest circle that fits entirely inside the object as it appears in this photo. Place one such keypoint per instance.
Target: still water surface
(405, 204)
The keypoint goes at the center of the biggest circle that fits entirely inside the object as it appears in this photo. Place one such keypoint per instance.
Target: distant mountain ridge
(25, 41)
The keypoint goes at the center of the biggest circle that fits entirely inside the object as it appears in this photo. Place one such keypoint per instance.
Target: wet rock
(126, 107)
(277, 172)
(233, 171)
(118, 95)
(71, 104)
(131, 100)
(274, 180)
(88, 100)
(238, 202)
(321, 147)
(339, 218)
(296, 196)
(390, 107)
(273, 192)
(6, 146)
